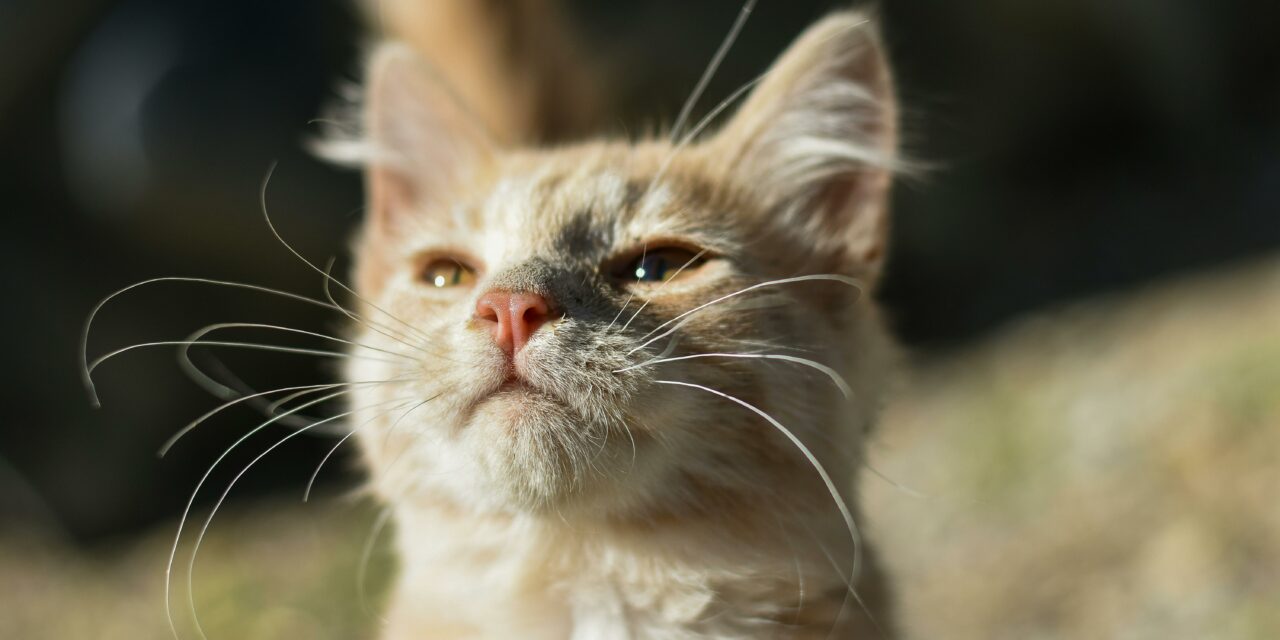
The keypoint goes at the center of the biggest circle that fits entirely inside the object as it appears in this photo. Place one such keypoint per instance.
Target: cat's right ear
(816, 143)
(421, 142)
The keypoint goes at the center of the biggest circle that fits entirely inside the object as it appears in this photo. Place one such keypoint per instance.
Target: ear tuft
(417, 140)
(816, 141)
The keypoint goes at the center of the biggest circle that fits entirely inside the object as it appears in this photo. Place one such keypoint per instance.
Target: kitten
(606, 364)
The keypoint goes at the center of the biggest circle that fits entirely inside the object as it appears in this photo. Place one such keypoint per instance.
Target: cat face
(597, 330)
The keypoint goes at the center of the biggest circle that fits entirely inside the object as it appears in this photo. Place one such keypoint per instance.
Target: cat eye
(447, 272)
(663, 264)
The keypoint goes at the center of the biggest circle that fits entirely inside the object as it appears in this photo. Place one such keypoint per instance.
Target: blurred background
(1082, 151)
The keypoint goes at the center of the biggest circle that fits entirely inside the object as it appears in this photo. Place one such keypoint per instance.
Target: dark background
(1077, 146)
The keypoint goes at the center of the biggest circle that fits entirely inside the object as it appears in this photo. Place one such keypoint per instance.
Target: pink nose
(515, 316)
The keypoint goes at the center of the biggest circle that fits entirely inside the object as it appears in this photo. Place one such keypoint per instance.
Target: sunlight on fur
(598, 479)
(605, 388)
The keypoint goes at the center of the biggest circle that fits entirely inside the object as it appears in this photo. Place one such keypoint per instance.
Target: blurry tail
(515, 63)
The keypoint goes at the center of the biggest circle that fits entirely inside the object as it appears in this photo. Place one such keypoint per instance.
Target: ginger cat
(621, 387)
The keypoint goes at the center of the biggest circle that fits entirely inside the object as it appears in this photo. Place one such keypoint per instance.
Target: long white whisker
(620, 310)
(710, 71)
(234, 388)
(386, 470)
(819, 276)
(275, 405)
(362, 570)
(661, 287)
(391, 430)
(849, 589)
(306, 494)
(262, 197)
(397, 336)
(255, 325)
(221, 390)
(233, 344)
(919, 495)
(186, 511)
(795, 557)
(702, 125)
(309, 388)
(88, 325)
(835, 376)
(854, 535)
(191, 565)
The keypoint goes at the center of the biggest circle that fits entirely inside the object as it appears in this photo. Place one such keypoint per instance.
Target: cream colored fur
(606, 500)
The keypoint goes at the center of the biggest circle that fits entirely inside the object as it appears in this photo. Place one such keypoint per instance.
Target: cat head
(598, 329)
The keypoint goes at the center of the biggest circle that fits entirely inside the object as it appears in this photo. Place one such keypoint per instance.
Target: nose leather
(515, 316)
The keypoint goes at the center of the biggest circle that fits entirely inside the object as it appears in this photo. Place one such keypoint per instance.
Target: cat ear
(815, 141)
(423, 144)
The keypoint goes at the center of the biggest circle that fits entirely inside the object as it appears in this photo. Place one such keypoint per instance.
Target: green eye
(662, 265)
(447, 272)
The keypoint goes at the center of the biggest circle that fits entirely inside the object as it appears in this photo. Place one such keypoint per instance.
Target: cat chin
(537, 455)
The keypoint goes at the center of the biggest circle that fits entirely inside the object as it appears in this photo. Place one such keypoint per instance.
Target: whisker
(795, 557)
(400, 455)
(88, 326)
(919, 495)
(275, 406)
(204, 529)
(661, 287)
(835, 566)
(391, 430)
(306, 495)
(714, 65)
(702, 125)
(366, 554)
(222, 390)
(396, 336)
(262, 198)
(310, 388)
(254, 325)
(232, 386)
(620, 310)
(835, 376)
(680, 143)
(186, 512)
(626, 428)
(854, 535)
(233, 344)
(819, 276)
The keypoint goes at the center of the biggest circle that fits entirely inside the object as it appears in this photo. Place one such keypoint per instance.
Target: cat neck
(531, 576)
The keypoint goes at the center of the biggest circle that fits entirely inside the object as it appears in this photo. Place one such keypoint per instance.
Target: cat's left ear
(424, 144)
(815, 143)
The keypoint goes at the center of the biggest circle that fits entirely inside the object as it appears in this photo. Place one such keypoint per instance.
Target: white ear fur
(420, 142)
(816, 141)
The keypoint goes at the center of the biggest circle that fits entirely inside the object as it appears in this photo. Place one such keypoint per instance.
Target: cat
(610, 388)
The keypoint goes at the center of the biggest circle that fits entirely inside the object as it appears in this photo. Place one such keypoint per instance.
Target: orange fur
(606, 497)
(513, 62)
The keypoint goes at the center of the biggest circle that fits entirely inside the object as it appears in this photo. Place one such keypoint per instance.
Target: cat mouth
(514, 388)
(513, 383)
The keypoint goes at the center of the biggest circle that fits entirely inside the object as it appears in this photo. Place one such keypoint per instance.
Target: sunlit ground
(1108, 470)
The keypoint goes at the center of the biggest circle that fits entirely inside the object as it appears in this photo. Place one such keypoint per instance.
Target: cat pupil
(652, 269)
(447, 273)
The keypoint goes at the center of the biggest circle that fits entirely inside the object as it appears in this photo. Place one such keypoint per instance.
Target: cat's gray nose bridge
(532, 276)
(557, 284)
